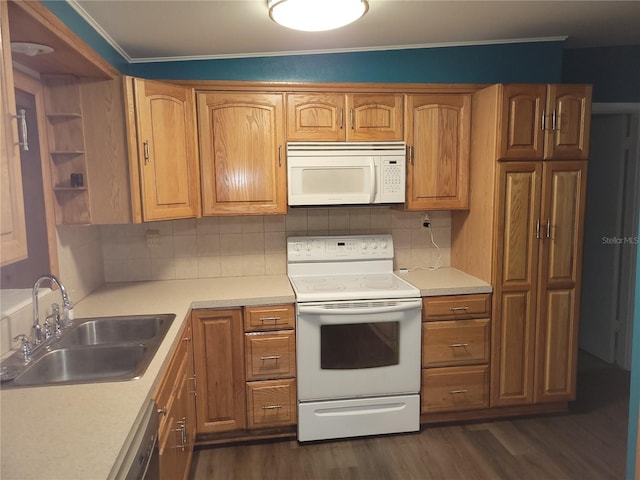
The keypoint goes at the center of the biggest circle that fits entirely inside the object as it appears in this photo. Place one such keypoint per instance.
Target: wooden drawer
(454, 388)
(271, 403)
(270, 355)
(459, 342)
(456, 307)
(271, 317)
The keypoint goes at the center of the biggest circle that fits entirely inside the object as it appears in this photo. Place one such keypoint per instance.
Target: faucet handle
(46, 331)
(26, 347)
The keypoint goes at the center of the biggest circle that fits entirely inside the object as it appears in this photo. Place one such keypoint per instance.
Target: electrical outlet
(426, 221)
(153, 238)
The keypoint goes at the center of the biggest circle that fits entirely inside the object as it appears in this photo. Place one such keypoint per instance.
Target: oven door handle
(329, 309)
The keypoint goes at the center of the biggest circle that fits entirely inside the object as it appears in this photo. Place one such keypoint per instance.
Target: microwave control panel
(393, 176)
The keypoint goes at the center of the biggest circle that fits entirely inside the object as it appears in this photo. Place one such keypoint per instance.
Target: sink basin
(113, 330)
(81, 365)
(102, 349)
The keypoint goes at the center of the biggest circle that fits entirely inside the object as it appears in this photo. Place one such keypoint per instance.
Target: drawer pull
(271, 357)
(458, 309)
(271, 407)
(270, 319)
(454, 392)
(459, 345)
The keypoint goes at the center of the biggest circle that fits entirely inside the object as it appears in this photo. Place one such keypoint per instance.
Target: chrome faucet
(66, 304)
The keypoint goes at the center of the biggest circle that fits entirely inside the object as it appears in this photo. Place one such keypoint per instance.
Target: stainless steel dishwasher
(142, 461)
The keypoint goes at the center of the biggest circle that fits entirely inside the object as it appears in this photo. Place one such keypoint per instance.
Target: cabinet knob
(162, 411)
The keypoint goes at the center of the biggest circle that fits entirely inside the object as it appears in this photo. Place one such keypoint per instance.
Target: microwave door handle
(372, 180)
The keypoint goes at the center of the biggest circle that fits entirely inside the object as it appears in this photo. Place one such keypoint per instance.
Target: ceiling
(163, 30)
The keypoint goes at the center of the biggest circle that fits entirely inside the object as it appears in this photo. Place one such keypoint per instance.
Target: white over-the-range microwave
(345, 173)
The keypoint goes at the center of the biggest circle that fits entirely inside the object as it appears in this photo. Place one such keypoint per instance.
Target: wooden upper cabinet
(242, 153)
(544, 122)
(438, 139)
(521, 134)
(375, 117)
(339, 117)
(163, 149)
(315, 117)
(13, 233)
(568, 135)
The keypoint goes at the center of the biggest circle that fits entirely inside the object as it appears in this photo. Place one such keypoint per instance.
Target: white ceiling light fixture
(30, 49)
(316, 15)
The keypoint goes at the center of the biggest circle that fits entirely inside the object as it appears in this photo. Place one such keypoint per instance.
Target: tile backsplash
(256, 245)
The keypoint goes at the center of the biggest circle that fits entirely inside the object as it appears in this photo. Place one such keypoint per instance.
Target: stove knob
(296, 247)
(374, 245)
(364, 245)
(307, 246)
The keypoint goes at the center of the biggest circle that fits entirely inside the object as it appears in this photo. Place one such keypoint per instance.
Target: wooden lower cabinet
(454, 388)
(245, 364)
(219, 364)
(175, 402)
(270, 366)
(455, 353)
(271, 403)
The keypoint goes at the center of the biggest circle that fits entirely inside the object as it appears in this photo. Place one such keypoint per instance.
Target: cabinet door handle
(271, 407)
(554, 119)
(538, 228)
(352, 119)
(341, 118)
(195, 386)
(271, 357)
(22, 117)
(548, 228)
(279, 155)
(454, 392)
(182, 430)
(147, 156)
(411, 154)
(543, 121)
(459, 309)
(270, 319)
(459, 345)
(162, 411)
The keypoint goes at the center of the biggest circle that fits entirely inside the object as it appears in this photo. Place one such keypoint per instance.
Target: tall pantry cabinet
(523, 233)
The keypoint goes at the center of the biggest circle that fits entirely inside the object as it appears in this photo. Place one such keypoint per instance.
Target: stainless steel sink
(102, 349)
(110, 330)
(81, 365)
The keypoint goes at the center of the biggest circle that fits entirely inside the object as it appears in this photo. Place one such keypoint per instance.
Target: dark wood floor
(587, 443)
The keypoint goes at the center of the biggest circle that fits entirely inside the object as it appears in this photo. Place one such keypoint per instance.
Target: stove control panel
(339, 248)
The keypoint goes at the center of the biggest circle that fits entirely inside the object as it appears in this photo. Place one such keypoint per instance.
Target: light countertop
(83, 431)
(444, 281)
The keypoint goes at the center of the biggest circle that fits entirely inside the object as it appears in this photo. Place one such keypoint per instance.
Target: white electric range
(358, 338)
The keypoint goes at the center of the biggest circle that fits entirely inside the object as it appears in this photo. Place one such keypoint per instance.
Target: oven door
(358, 348)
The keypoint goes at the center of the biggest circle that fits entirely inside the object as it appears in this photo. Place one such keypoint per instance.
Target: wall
(613, 71)
(256, 245)
(537, 62)
(615, 75)
(81, 272)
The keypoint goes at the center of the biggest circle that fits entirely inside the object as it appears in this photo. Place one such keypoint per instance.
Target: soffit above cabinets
(31, 22)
